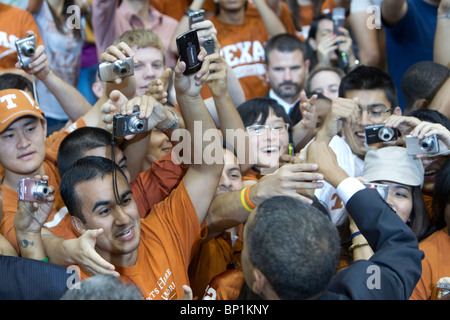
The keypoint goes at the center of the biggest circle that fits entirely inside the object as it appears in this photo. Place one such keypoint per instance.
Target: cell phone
(32, 190)
(110, 71)
(208, 44)
(26, 48)
(427, 145)
(188, 49)
(381, 188)
(338, 17)
(196, 16)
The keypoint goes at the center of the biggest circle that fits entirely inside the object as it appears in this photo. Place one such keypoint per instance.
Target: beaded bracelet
(357, 245)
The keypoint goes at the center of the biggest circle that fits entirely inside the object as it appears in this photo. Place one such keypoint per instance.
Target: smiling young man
(154, 252)
(368, 97)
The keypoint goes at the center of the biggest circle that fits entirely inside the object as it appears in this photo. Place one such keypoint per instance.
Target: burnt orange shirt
(168, 235)
(58, 217)
(225, 286)
(14, 24)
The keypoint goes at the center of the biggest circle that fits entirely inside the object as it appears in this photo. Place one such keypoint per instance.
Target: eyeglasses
(259, 129)
(375, 111)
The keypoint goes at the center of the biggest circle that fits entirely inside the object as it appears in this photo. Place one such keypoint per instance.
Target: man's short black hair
(15, 81)
(78, 142)
(85, 169)
(422, 81)
(284, 42)
(294, 245)
(369, 78)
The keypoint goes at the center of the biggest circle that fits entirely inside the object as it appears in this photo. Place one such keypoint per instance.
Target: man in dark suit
(291, 251)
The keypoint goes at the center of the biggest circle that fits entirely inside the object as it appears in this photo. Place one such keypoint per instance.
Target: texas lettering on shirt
(165, 290)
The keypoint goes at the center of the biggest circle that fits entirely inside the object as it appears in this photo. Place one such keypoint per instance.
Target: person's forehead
(21, 121)
(99, 189)
(325, 77)
(325, 24)
(147, 54)
(369, 97)
(277, 57)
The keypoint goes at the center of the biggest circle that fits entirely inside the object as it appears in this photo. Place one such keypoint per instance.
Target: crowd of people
(306, 157)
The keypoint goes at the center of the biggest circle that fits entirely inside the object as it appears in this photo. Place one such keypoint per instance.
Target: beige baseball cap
(393, 164)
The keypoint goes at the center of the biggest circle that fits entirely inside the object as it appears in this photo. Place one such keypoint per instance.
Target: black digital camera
(380, 133)
(129, 124)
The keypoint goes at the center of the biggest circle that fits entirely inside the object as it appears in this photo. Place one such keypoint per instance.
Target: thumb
(93, 234)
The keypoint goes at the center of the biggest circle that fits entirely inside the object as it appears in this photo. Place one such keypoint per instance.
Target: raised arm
(270, 18)
(203, 175)
(441, 42)
(71, 100)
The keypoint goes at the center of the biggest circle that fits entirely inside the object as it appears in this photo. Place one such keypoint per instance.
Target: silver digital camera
(26, 48)
(32, 190)
(381, 188)
(379, 133)
(110, 71)
(129, 124)
(427, 145)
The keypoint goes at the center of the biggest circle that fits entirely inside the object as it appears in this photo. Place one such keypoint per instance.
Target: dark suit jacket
(394, 269)
(27, 279)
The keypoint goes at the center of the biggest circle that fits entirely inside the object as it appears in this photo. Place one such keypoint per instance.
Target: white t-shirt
(353, 166)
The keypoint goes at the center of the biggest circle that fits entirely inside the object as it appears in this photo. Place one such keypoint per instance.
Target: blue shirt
(411, 40)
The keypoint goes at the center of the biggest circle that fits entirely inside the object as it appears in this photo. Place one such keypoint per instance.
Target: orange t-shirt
(435, 265)
(225, 286)
(168, 235)
(14, 24)
(58, 213)
(154, 185)
(252, 175)
(243, 50)
(214, 257)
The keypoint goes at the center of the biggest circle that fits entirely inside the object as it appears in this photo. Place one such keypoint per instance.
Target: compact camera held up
(380, 133)
(428, 145)
(32, 190)
(26, 48)
(110, 71)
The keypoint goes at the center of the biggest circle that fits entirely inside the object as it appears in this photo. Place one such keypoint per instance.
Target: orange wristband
(247, 198)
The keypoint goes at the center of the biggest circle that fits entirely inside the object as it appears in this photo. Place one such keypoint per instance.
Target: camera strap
(35, 94)
(114, 172)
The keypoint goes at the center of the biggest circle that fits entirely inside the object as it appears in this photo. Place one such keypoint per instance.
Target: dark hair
(294, 245)
(78, 142)
(284, 42)
(419, 220)
(369, 78)
(85, 169)
(432, 116)
(251, 109)
(422, 80)
(441, 194)
(315, 25)
(15, 81)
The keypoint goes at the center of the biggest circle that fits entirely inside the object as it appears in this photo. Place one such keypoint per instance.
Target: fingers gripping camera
(110, 71)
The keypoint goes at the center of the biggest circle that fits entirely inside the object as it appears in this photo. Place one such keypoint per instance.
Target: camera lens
(385, 134)
(427, 143)
(28, 49)
(40, 191)
(136, 124)
(121, 68)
